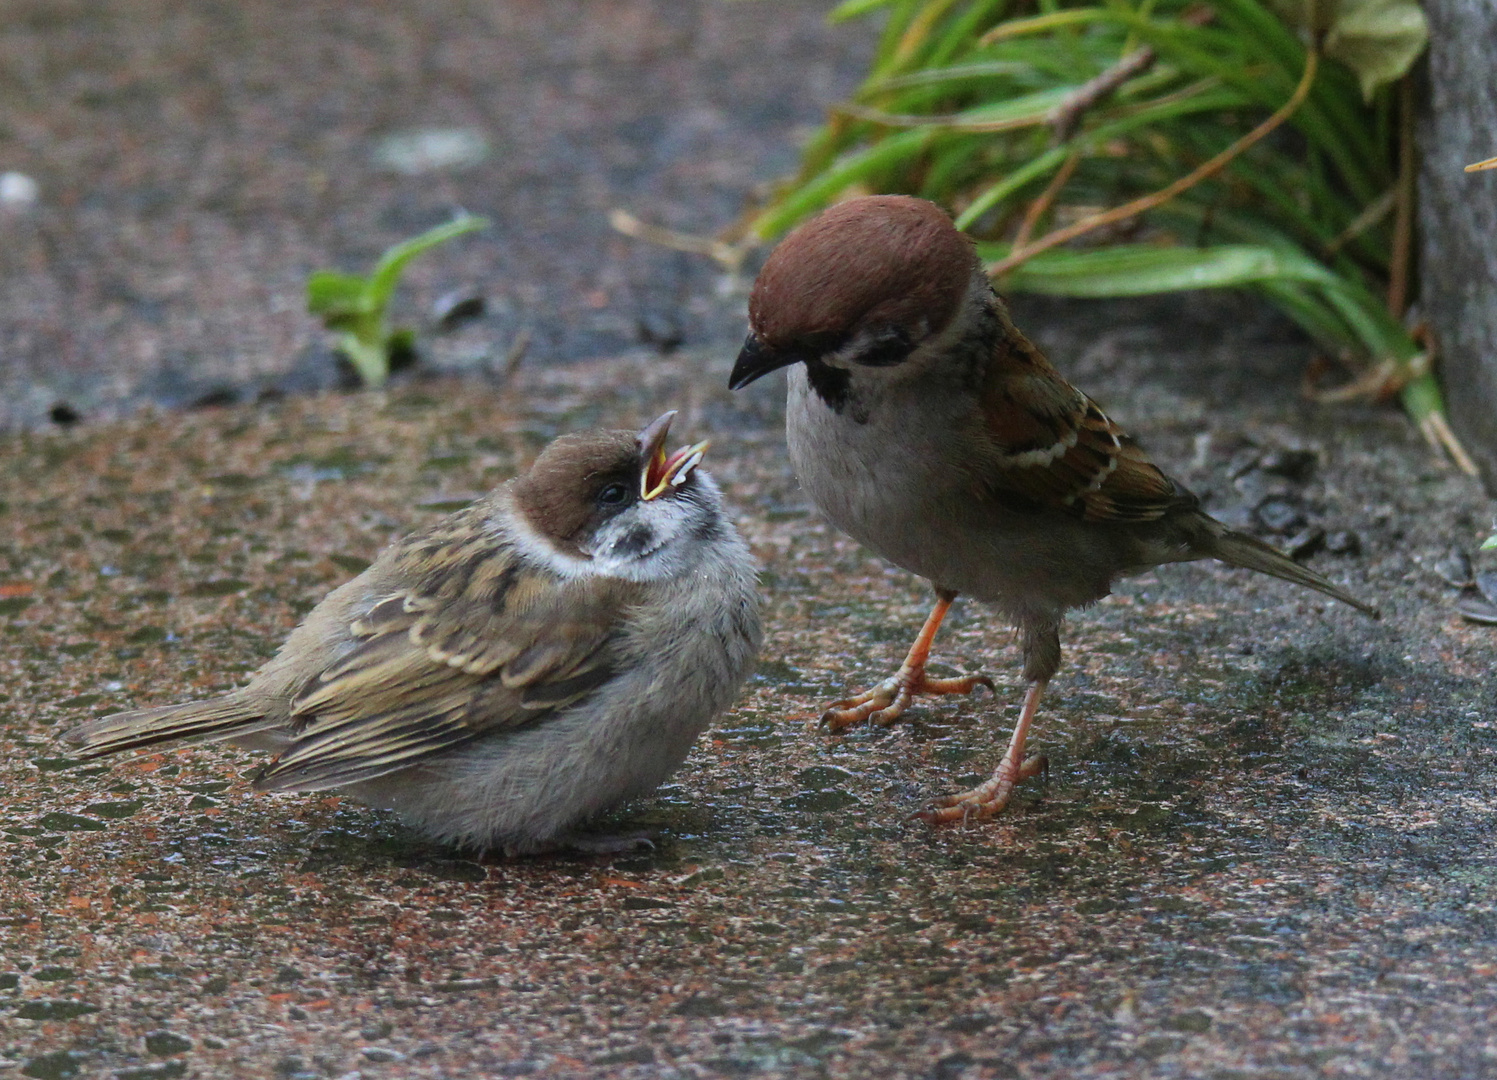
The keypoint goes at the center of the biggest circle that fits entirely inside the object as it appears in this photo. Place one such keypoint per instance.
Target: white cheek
(534, 546)
(623, 539)
(645, 544)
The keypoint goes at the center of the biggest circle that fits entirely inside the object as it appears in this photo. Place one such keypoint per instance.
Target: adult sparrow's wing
(1048, 445)
(494, 644)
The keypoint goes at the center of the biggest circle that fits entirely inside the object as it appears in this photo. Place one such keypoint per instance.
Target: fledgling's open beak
(663, 473)
(756, 359)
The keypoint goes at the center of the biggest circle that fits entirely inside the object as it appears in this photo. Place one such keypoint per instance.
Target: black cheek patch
(891, 346)
(829, 383)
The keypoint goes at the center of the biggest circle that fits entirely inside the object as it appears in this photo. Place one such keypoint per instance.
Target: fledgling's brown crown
(889, 260)
(559, 493)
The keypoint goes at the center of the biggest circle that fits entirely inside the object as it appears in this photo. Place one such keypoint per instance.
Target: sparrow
(923, 424)
(496, 678)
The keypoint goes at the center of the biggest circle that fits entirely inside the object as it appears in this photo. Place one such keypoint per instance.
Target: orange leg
(885, 702)
(991, 796)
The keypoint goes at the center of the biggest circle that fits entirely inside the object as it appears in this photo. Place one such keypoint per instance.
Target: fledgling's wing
(1051, 446)
(493, 642)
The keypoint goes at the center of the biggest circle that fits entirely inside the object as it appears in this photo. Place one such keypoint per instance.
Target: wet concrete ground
(196, 161)
(1263, 847)
(1262, 850)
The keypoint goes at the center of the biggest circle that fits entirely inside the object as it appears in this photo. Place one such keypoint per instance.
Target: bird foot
(986, 799)
(884, 703)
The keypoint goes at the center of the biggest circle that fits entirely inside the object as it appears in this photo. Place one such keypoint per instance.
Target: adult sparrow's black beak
(756, 359)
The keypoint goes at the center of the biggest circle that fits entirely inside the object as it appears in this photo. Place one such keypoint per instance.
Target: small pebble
(1455, 568)
(1296, 465)
(166, 1043)
(1486, 584)
(660, 332)
(1343, 542)
(1280, 515)
(1256, 487)
(1243, 462)
(457, 307)
(380, 1053)
(431, 150)
(17, 190)
(1478, 609)
(1306, 542)
(1237, 517)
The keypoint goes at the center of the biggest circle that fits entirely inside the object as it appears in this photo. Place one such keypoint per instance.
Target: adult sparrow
(928, 428)
(497, 677)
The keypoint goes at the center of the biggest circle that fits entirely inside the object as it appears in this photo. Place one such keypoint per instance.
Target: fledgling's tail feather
(196, 721)
(1239, 549)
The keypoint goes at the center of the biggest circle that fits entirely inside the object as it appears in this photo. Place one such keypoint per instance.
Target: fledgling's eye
(615, 494)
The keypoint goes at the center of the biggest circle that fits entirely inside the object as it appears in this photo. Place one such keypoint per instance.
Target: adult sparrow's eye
(614, 494)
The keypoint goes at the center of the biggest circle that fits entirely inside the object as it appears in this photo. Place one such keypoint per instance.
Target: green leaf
(390, 266)
(1139, 270)
(331, 294)
(1489, 543)
(854, 9)
(821, 190)
(357, 308)
(1378, 39)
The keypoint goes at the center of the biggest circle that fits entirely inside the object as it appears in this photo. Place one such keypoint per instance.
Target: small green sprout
(357, 308)
(1489, 543)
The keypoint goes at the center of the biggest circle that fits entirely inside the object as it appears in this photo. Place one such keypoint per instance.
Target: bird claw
(886, 702)
(987, 799)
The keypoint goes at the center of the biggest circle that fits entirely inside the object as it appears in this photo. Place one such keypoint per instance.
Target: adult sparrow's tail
(1213, 539)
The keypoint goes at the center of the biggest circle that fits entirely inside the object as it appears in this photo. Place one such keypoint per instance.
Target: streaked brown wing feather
(434, 670)
(1050, 445)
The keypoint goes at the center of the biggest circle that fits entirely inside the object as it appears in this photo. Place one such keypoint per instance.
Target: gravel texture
(1262, 849)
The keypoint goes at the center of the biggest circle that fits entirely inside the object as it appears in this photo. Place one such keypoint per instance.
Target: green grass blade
(956, 74)
(856, 9)
(820, 190)
(1140, 270)
(1047, 162)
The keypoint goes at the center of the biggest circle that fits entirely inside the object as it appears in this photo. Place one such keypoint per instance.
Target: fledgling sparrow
(927, 427)
(546, 653)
